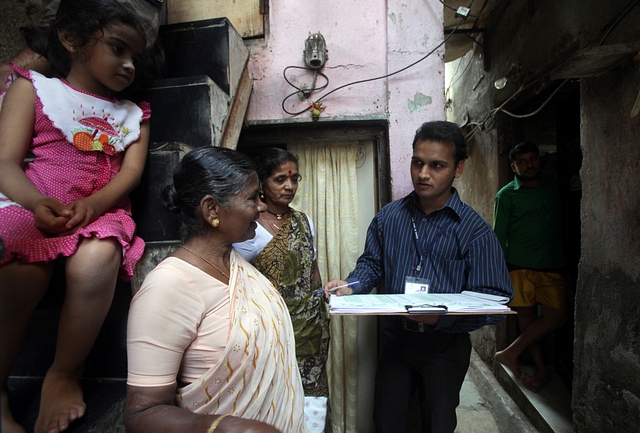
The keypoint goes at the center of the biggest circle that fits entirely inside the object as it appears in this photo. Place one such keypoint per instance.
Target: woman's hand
(51, 216)
(232, 424)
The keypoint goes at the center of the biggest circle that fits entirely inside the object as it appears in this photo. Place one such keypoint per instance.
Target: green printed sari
(287, 262)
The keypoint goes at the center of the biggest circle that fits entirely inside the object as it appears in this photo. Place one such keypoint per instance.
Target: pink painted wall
(365, 39)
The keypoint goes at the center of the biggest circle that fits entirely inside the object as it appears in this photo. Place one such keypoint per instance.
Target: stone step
(105, 400)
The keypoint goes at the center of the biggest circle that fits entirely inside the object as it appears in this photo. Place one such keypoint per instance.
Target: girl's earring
(261, 191)
(215, 222)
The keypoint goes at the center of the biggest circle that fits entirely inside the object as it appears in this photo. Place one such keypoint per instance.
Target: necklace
(275, 226)
(279, 215)
(206, 261)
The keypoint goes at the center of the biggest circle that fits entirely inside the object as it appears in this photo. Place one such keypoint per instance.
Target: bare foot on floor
(8, 424)
(537, 382)
(511, 363)
(60, 404)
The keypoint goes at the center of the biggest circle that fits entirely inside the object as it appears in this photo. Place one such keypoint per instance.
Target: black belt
(413, 326)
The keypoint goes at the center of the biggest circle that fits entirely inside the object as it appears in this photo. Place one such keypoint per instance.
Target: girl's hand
(83, 213)
(5, 77)
(51, 216)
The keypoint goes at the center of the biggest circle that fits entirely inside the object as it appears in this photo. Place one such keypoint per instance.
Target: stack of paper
(420, 303)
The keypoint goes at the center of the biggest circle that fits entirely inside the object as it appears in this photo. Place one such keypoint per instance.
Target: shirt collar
(454, 203)
(544, 178)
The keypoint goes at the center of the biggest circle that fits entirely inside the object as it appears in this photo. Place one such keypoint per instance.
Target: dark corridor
(556, 131)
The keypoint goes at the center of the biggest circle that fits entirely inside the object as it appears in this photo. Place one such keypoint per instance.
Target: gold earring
(215, 222)
(261, 191)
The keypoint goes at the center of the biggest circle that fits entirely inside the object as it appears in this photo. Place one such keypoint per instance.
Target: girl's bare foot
(60, 404)
(8, 424)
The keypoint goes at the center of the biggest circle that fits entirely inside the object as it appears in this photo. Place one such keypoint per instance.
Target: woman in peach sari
(210, 342)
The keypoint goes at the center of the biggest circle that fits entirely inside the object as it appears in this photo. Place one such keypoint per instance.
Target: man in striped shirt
(430, 235)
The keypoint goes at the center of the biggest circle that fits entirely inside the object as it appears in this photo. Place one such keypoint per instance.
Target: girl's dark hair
(270, 159)
(220, 172)
(83, 18)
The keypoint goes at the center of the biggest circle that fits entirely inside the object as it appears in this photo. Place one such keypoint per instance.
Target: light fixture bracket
(315, 52)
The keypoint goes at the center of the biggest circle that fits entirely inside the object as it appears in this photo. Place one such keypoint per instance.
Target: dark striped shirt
(464, 255)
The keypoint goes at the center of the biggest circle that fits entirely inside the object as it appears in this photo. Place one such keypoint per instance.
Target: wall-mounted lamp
(315, 51)
(501, 82)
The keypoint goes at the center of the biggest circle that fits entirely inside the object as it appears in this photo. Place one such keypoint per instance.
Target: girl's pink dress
(78, 141)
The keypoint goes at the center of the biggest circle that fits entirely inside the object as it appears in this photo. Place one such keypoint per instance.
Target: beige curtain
(328, 193)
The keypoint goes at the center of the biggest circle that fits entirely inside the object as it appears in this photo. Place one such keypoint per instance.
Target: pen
(335, 289)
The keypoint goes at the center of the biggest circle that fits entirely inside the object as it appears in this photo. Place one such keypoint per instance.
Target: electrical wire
(315, 75)
(472, 15)
(621, 15)
(489, 117)
(459, 76)
(479, 126)
(368, 79)
(522, 116)
(305, 92)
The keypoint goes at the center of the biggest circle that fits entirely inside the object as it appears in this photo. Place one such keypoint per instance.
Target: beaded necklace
(206, 261)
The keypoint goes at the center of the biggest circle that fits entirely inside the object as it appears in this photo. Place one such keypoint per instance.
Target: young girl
(71, 200)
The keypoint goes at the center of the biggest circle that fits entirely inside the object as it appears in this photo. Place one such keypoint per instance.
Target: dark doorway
(556, 130)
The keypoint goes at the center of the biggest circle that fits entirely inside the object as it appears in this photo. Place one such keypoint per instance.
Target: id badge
(416, 285)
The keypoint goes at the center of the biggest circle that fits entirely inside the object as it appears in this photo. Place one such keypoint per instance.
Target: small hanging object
(316, 109)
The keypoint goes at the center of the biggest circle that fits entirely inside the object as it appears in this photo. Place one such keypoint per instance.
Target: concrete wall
(365, 40)
(539, 35)
(606, 387)
(13, 15)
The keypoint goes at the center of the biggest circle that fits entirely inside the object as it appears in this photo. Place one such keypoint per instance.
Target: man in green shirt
(527, 222)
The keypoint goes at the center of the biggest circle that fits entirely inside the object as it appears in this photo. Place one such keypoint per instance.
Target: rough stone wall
(13, 15)
(606, 389)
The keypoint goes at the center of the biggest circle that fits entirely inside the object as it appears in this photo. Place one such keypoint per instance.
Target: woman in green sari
(283, 251)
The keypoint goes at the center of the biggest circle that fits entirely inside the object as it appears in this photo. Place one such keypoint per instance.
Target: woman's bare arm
(151, 410)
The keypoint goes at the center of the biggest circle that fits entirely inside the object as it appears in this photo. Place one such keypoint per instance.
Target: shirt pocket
(450, 275)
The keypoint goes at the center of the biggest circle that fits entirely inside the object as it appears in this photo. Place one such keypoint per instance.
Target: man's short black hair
(521, 148)
(440, 131)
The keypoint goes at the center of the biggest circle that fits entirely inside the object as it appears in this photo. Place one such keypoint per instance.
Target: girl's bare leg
(91, 280)
(22, 286)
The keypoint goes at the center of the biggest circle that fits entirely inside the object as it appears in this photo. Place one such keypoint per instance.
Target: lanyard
(416, 238)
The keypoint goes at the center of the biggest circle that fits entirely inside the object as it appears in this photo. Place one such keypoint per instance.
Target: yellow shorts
(534, 287)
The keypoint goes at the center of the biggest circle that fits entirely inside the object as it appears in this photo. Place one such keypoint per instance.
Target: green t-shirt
(528, 224)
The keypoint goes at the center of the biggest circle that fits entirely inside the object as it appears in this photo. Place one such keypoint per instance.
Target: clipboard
(426, 309)
(418, 303)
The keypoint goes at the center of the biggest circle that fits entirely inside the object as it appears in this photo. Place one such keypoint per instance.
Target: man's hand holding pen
(338, 288)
